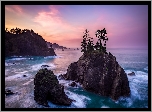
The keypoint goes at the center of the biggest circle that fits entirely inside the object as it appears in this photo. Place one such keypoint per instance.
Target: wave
(15, 77)
(16, 56)
(146, 68)
(80, 100)
(38, 66)
(28, 82)
(130, 62)
(104, 106)
(137, 84)
(46, 57)
(17, 59)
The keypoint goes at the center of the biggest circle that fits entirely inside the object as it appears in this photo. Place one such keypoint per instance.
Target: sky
(126, 25)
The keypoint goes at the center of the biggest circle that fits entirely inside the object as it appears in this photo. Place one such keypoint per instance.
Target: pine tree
(101, 35)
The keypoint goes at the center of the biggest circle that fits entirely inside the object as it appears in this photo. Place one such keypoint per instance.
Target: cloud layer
(126, 26)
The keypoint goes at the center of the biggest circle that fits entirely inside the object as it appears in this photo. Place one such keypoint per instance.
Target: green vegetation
(87, 45)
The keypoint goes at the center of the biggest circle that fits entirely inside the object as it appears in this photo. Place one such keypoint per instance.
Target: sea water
(132, 60)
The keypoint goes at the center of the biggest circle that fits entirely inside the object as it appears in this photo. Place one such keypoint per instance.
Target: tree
(84, 42)
(101, 35)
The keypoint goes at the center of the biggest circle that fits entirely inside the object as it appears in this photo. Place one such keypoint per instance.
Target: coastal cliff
(26, 43)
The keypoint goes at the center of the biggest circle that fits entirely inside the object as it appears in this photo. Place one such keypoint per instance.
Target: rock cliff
(26, 43)
(47, 88)
(55, 45)
(100, 73)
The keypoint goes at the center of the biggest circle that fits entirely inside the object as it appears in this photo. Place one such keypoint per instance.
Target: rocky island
(26, 43)
(98, 71)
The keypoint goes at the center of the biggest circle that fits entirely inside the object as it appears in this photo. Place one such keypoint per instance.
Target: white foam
(130, 62)
(16, 76)
(127, 102)
(52, 57)
(135, 82)
(38, 66)
(22, 72)
(80, 100)
(18, 59)
(13, 77)
(104, 106)
(28, 82)
(146, 68)
(10, 64)
(16, 56)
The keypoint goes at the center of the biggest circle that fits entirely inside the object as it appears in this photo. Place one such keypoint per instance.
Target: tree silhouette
(87, 45)
(84, 42)
(101, 35)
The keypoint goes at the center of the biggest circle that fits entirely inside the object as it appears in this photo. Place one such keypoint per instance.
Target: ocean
(132, 60)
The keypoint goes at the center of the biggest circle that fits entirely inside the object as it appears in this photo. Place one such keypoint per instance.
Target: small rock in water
(8, 92)
(132, 74)
(73, 84)
(24, 75)
(43, 66)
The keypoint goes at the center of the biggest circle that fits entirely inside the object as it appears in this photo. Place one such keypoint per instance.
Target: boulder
(100, 73)
(47, 88)
(131, 74)
(8, 92)
(73, 84)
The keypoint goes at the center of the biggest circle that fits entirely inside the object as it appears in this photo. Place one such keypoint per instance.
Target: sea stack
(100, 73)
(47, 88)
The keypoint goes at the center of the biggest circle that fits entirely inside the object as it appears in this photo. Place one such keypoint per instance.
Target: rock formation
(100, 73)
(55, 46)
(47, 87)
(26, 43)
(8, 92)
(131, 74)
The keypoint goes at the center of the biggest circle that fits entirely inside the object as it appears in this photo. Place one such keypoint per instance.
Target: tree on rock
(87, 45)
(101, 35)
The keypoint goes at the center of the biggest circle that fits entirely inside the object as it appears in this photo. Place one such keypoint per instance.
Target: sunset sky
(126, 25)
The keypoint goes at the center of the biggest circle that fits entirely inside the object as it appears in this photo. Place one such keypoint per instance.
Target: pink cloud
(54, 24)
(14, 9)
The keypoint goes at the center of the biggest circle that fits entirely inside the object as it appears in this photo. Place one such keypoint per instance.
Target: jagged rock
(100, 73)
(47, 87)
(73, 84)
(8, 92)
(26, 44)
(131, 74)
